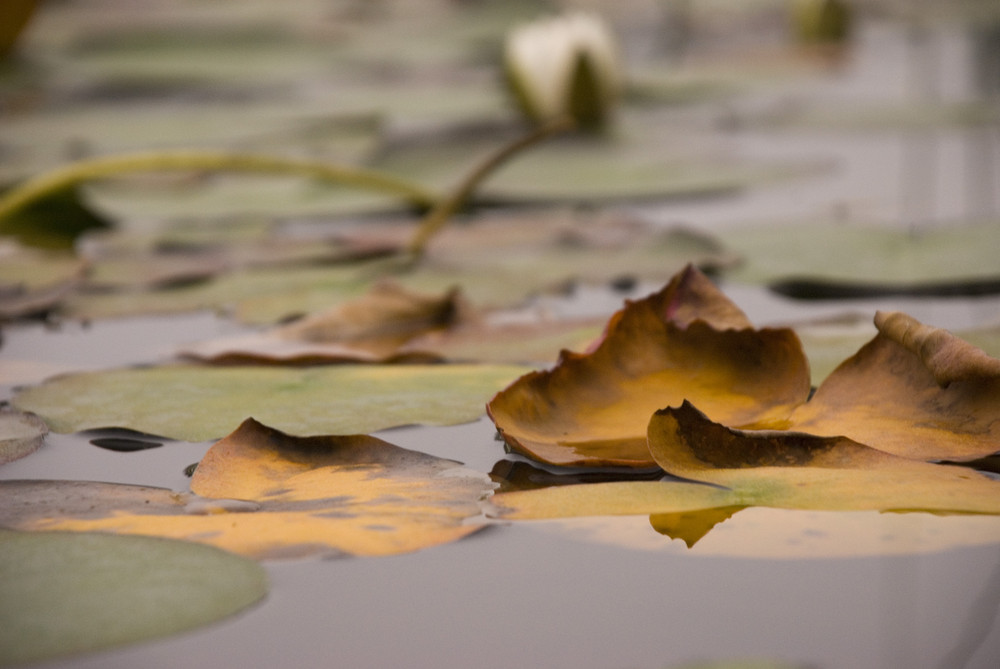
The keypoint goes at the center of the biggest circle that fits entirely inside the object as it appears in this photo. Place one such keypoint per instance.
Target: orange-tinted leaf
(265, 494)
(913, 390)
(686, 342)
(802, 471)
(370, 328)
(393, 324)
(728, 470)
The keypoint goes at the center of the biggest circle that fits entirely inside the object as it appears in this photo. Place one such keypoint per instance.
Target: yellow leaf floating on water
(728, 469)
(913, 393)
(913, 390)
(686, 342)
(795, 470)
(265, 494)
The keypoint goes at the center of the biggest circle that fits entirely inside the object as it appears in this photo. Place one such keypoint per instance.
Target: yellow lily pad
(687, 341)
(913, 390)
(262, 493)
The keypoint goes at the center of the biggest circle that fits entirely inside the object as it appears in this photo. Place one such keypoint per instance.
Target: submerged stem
(44, 185)
(443, 210)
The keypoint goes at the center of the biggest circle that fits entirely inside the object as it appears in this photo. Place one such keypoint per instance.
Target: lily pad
(498, 261)
(859, 253)
(391, 324)
(372, 328)
(34, 281)
(905, 117)
(593, 170)
(197, 403)
(830, 341)
(795, 470)
(687, 341)
(265, 494)
(727, 470)
(913, 390)
(65, 593)
(487, 340)
(20, 434)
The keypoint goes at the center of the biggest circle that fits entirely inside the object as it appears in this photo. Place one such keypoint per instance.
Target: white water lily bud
(564, 65)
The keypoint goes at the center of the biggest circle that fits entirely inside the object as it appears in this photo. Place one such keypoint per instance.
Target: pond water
(823, 590)
(817, 590)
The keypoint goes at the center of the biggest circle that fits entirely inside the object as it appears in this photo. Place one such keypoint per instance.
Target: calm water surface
(610, 593)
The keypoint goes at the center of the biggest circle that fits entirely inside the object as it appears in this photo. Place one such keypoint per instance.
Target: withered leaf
(265, 494)
(371, 328)
(913, 390)
(686, 342)
(726, 470)
(787, 469)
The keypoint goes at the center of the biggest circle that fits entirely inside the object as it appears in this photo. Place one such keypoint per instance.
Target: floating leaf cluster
(681, 381)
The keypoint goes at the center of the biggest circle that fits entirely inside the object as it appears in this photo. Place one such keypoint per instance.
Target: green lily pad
(264, 295)
(498, 261)
(858, 253)
(193, 403)
(912, 117)
(49, 138)
(640, 164)
(32, 268)
(34, 281)
(234, 195)
(66, 592)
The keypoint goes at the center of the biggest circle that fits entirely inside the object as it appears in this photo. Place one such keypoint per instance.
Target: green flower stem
(446, 207)
(44, 185)
(440, 209)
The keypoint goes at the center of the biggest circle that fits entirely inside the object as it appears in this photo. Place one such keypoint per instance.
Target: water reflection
(782, 534)
(727, 529)
(512, 475)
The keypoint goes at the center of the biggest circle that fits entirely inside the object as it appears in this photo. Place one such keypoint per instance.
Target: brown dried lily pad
(687, 341)
(789, 469)
(370, 328)
(913, 390)
(725, 470)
